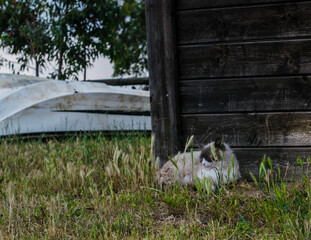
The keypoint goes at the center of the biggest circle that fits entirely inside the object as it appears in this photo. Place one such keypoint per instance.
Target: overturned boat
(31, 105)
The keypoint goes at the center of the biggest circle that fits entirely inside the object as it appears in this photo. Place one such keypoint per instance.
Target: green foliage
(81, 30)
(24, 30)
(75, 33)
(128, 48)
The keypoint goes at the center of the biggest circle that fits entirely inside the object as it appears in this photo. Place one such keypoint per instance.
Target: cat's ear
(201, 146)
(219, 144)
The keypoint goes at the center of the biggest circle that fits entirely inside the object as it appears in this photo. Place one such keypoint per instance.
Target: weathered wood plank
(245, 95)
(248, 59)
(249, 129)
(196, 4)
(239, 24)
(163, 79)
(283, 158)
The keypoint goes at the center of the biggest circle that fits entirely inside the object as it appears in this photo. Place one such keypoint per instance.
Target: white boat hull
(59, 106)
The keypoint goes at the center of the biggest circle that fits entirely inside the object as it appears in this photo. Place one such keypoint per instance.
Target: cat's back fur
(203, 165)
(186, 166)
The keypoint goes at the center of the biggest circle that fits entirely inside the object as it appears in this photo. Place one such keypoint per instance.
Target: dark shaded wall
(243, 72)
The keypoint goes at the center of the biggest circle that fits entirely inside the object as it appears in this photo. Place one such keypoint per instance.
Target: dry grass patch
(92, 187)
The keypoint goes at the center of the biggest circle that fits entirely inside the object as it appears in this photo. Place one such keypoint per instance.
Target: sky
(102, 68)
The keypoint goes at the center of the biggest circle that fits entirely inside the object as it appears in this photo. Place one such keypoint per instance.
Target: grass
(92, 187)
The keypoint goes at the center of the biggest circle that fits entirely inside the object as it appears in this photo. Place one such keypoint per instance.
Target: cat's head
(212, 152)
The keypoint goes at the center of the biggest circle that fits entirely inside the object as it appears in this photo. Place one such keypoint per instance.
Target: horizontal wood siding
(245, 95)
(283, 158)
(291, 20)
(245, 59)
(251, 129)
(243, 73)
(199, 4)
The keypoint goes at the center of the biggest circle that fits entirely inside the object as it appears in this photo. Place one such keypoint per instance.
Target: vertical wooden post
(160, 17)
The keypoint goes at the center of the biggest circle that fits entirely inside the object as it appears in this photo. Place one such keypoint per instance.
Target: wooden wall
(243, 72)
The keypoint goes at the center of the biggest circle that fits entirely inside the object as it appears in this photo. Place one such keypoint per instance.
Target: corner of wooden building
(236, 69)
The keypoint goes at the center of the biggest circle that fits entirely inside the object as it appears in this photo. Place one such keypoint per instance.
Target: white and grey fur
(219, 166)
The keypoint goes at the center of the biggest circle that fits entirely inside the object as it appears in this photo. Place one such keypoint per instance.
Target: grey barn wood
(240, 69)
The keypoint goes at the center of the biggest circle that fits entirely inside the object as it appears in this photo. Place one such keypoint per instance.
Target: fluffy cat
(216, 162)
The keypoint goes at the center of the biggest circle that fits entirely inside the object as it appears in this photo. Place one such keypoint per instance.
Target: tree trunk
(60, 58)
(84, 77)
(60, 65)
(37, 68)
